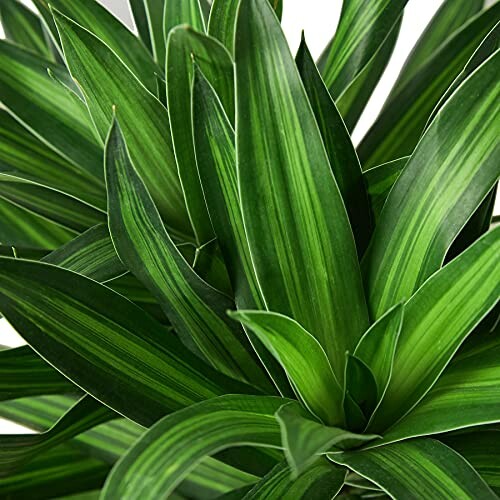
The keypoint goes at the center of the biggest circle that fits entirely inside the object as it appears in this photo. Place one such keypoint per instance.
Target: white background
(318, 18)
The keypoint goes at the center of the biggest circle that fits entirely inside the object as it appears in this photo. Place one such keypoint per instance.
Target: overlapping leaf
(183, 12)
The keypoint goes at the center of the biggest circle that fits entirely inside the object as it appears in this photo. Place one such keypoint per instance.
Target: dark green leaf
(288, 193)
(361, 386)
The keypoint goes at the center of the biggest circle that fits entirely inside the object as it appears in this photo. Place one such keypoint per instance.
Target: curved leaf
(451, 171)
(305, 258)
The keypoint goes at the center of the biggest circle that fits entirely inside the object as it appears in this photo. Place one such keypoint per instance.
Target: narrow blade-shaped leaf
(289, 195)
(107, 82)
(451, 171)
(421, 468)
(341, 153)
(183, 12)
(198, 431)
(303, 359)
(77, 324)
(437, 320)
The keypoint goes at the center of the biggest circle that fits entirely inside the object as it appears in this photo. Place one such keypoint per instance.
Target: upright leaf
(183, 12)
(289, 195)
(448, 175)
(107, 82)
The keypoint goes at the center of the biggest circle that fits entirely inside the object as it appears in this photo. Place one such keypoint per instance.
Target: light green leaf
(103, 343)
(304, 439)
(183, 12)
(398, 128)
(107, 82)
(51, 113)
(172, 447)
(303, 359)
(23, 27)
(437, 320)
(421, 468)
(321, 480)
(197, 311)
(341, 153)
(361, 31)
(305, 258)
(451, 171)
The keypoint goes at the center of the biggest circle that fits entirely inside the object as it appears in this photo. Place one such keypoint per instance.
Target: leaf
(23, 373)
(49, 112)
(445, 180)
(304, 439)
(466, 394)
(421, 468)
(183, 46)
(107, 82)
(377, 347)
(55, 206)
(23, 27)
(25, 156)
(322, 480)
(183, 12)
(76, 323)
(196, 310)
(303, 359)
(379, 181)
(360, 32)
(92, 16)
(15, 450)
(437, 320)
(290, 205)
(341, 153)
(398, 128)
(173, 446)
(361, 386)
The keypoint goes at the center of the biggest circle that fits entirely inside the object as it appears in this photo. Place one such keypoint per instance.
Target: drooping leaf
(448, 175)
(183, 12)
(437, 320)
(341, 153)
(107, 82)
(304, 439)
(104, 343)
(288, 193)
(173, 446)
(420, 468)
(47, 110)
(303, 359)
(398, 128)
(321, 480)
(23, 27)
(361, 31)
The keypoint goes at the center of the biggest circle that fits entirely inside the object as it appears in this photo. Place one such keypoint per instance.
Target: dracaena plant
(221, 296)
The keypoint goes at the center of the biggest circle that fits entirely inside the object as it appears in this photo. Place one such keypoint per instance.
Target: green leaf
(480, 449)
(65, 210)
(25, 156)
(466, 394)
(437, 320)
(92, 16)
(398, 128)
(48, 111)
(321, 480)
(379, 181)
(183, 12)
(451, 171)
(421, 468)
(303, 359)
(24, 28)
(361, 31)
(174, 445)
(103, 343)
(196, 310)
(341, 153)
(377, 347)
(183, 45)
(24, 373)
(107, 82)
(304, 439)
(18, 449)
(305, 258)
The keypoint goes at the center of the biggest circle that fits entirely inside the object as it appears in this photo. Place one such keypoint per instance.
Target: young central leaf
(297, 226)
